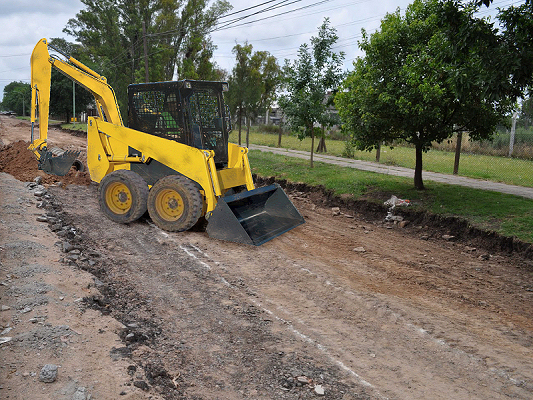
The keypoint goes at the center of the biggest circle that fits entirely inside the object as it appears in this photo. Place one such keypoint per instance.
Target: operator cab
(189, 112)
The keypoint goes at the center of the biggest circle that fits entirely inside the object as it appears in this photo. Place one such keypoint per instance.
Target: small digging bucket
(57, 161)
(253, 217)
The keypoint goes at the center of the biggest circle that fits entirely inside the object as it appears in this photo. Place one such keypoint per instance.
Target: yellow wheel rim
(118, 198)
(169, 205)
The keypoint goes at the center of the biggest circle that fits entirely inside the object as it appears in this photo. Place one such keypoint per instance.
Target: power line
(249, 8)
(270, 8)
(272, 16)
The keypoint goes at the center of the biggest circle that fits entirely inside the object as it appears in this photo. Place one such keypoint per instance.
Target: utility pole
(513, 129)
(145, 53)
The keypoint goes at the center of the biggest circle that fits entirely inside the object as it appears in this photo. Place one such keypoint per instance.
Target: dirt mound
(17, 160)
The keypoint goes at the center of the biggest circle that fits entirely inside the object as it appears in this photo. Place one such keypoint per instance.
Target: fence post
(457, 152)
(511, 141)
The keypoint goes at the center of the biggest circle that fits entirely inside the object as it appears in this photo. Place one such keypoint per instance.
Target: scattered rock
(359, 250)
(5, 308)
(403, 224)
(67, 247)
(448, 237)
(6, 331)
(42, 218)
(141, 385)
(319, 390)
(80, 394)
(5, 339)
(335, 211)
(48, 373)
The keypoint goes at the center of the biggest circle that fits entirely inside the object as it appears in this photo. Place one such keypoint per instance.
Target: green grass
(498, 169)
(506, 214)
(50, 121)
(80, 126)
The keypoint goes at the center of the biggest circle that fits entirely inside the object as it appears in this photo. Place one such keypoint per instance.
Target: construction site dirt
(347, 306)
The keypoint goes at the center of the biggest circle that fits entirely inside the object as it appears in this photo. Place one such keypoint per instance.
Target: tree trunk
(240, 124)
(457, 153)
(321, 148)
(419, 184)
(248, 123)
(279, 135)
(312, 144)
(378, 152)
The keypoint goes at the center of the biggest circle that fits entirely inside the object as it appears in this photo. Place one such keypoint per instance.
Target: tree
(252, 84)
(177, 36)
(308, 80)
(61, 86)
(517, 39)
(424, 77)
(17, 97)
(526, 112)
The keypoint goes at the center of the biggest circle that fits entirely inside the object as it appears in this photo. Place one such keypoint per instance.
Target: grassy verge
(50, 121)
(506, 214)
(75, 127)
(498, 169)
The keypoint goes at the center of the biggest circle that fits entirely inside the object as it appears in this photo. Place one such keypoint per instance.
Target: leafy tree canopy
(253, 82)
(61, 86)
(308, 80)
(17, 97)
(177, 36)
(425, 76)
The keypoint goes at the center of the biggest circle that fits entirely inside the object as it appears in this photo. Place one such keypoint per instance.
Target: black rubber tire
(175, 203)
(123, 196)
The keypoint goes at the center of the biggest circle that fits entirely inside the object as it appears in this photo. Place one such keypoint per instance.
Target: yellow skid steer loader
(173, 160)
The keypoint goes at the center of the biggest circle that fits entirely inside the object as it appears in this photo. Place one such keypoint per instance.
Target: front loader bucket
(59, 165)
(253, 217)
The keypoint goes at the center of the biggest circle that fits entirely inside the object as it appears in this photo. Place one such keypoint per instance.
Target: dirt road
(345, 304)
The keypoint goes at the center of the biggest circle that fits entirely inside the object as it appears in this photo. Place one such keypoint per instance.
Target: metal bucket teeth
(57, 165)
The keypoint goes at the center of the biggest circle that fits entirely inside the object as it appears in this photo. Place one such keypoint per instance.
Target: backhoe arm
(41, 70)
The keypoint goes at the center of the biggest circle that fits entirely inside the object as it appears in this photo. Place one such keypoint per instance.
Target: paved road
(526, 192)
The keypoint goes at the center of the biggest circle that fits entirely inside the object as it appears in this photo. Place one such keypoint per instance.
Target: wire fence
(500, 160)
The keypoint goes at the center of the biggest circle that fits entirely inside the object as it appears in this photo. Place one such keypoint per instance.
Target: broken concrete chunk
(48, 373)
(319, 390)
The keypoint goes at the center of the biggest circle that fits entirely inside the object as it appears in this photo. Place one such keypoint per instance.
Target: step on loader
(173, 160)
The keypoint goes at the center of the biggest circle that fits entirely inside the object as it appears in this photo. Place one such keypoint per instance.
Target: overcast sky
(24, 22)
